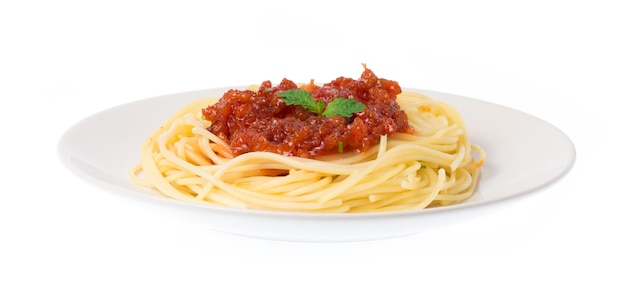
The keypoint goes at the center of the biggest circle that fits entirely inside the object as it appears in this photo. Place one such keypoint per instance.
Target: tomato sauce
(261, 121)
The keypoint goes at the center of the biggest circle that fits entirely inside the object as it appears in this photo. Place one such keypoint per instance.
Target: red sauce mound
(261, 121)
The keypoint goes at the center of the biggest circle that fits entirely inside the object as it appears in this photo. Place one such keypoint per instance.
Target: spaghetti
(436, 165)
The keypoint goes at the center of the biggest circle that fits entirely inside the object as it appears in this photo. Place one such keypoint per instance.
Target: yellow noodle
(435, 166)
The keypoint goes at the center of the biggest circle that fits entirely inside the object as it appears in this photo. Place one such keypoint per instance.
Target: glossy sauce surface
(261, 121)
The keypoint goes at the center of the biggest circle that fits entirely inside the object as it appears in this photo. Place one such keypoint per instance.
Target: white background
(61, 61)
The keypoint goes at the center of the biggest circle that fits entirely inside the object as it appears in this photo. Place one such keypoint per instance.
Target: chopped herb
(339, 106)
(340, 147)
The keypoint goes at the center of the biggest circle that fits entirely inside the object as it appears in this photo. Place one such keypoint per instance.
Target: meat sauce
(261, 121)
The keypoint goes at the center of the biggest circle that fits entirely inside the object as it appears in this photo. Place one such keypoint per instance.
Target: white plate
(524, 154)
